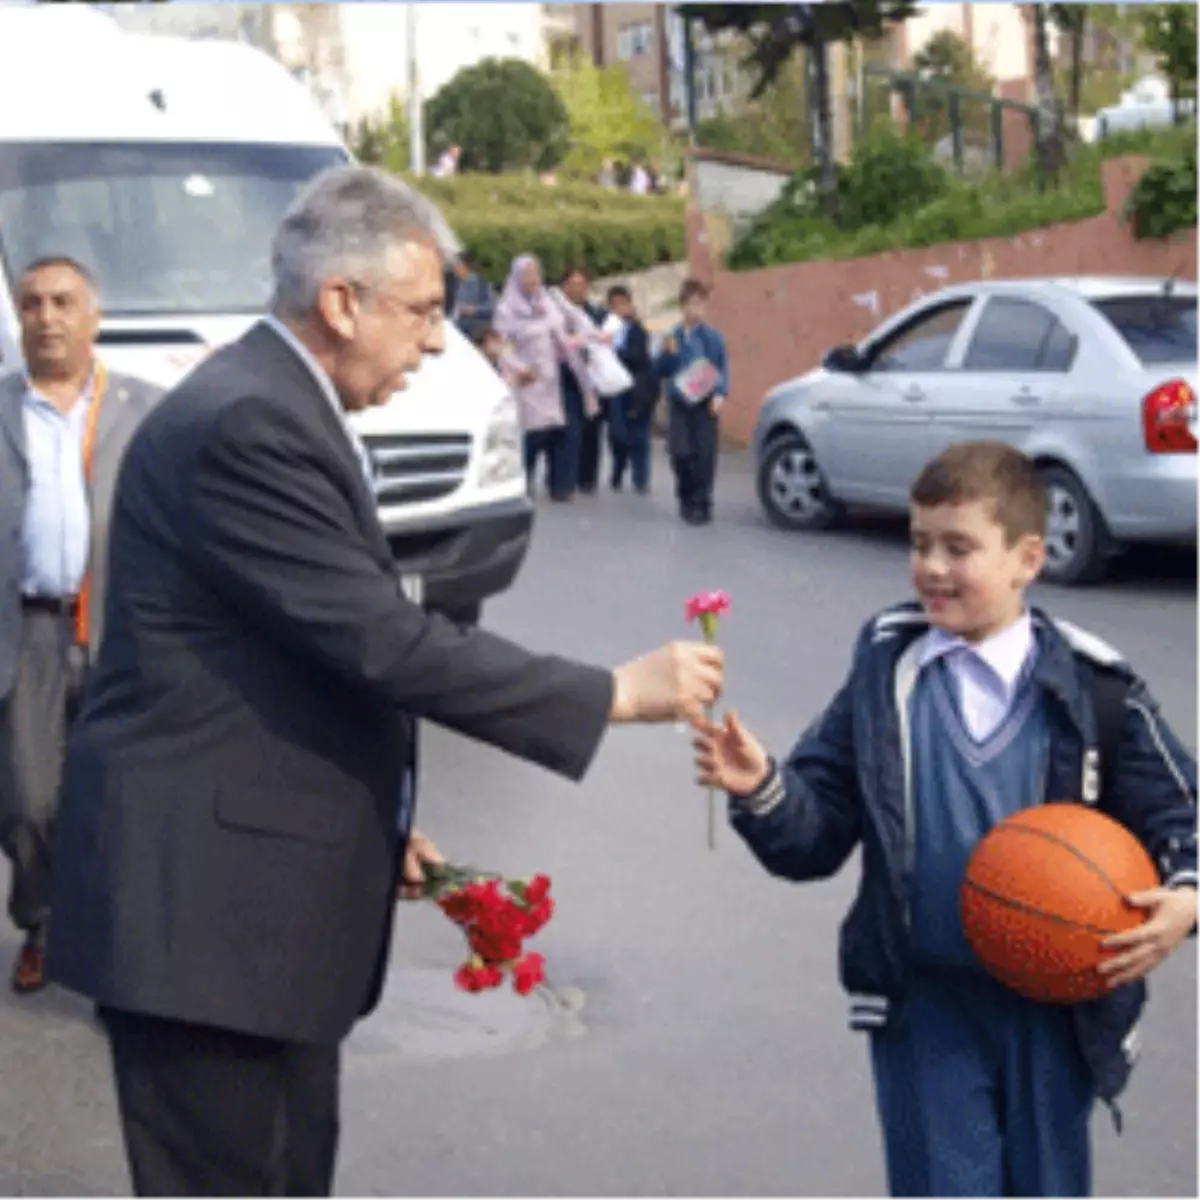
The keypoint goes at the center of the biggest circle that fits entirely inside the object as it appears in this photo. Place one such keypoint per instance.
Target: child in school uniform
(694, 346)
(631, 414)
(958, 711)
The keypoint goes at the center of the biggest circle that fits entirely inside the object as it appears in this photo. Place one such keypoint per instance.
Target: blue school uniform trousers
(980, 1092)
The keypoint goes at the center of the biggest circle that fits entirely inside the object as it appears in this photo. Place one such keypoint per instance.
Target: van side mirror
(845, 360)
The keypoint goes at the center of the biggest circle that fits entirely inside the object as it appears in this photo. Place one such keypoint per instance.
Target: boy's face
(970, 580)
(621, 306)
(694, 310)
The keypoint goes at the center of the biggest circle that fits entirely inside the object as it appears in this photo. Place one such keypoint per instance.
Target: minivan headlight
(500, 461)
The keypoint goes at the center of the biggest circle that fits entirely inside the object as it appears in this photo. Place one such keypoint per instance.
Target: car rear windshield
(1158, 329)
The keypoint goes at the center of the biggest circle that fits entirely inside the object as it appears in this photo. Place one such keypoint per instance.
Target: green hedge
(498, 217)
(943, 208)
(1163, 202)
(606, 244)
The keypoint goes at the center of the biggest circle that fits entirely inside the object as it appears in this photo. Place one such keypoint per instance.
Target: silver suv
(1092, 378)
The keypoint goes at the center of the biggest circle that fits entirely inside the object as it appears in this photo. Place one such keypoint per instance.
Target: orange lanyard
(92, 421)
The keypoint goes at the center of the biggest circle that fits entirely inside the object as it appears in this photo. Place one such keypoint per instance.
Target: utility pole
(415, 109)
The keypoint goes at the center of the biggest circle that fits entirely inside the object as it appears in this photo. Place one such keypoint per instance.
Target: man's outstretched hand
(676, 683)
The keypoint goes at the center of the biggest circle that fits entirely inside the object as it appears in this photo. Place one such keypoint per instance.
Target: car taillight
(1168, 415)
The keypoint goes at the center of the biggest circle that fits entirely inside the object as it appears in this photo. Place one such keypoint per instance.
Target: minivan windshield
(1157, 328)
(166, 229)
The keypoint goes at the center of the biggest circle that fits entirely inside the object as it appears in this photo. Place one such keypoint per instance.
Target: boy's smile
(969, 578)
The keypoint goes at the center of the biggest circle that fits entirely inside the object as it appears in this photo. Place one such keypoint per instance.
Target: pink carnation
(715, 604)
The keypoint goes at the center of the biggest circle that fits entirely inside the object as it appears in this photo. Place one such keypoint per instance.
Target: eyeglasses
(431, 313)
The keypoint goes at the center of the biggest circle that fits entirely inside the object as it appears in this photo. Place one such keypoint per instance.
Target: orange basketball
(1043, 890)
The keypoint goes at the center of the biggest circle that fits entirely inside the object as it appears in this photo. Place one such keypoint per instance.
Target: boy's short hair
(619, 292)
(692, 288)
(990, 471)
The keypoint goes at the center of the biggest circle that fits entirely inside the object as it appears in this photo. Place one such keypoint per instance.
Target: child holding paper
(695, 365)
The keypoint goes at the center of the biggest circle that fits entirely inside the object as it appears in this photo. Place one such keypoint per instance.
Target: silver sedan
(1093, 378)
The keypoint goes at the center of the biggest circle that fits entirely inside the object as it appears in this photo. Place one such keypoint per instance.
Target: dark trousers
(591, 442)
(209, 1112)
(629, 444)
(982, 1093)
(559, 452)
(34, 720)
(692, 441)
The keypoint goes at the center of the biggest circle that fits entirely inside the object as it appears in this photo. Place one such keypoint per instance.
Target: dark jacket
(230, 830)
(638, 402)
(476, 294)
(843, 785)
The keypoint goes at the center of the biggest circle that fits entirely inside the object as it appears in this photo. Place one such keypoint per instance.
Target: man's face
(59, 321)
(969, 578)
(575, 287)
(384, 329)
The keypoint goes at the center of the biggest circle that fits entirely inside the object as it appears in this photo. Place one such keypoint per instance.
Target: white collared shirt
(987, 674)
(305, 355)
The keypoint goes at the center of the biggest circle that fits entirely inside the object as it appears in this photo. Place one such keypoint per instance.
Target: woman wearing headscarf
(545, 348)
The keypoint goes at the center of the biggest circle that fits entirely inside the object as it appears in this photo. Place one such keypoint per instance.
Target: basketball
(1042, 892)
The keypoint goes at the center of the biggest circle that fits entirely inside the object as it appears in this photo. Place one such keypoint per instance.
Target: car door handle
(1026, 397)
(914, 394)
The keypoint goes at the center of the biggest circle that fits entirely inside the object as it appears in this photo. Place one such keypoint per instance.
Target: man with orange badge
(64, 424)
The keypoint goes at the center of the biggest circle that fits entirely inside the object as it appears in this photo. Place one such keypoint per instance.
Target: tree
(1050, 148)
(776, 31)
(504, 114)
(775, 125)
(384, 142)
(607, 119)
(1071, 20)
(1169, 32)
(949, 59)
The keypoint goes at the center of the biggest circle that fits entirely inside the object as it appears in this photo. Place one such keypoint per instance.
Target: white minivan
(164, 164)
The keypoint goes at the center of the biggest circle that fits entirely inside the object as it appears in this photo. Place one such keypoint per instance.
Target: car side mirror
(845, 360)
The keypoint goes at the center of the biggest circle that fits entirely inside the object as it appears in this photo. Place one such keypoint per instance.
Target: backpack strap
(1109, 690)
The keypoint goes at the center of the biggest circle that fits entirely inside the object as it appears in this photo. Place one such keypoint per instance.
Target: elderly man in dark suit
(64, 424)
(235, 816)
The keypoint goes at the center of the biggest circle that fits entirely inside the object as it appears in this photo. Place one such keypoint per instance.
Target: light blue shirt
(987, 675)
(56, 533)
(315, 369)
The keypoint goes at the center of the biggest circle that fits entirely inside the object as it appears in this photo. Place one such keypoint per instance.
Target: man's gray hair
(342, 226)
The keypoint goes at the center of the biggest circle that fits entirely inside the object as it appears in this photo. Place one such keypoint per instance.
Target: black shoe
(643, 489)
(561, 497)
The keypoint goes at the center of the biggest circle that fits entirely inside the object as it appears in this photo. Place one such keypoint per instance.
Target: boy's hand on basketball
(1171, 916)
(729, 757)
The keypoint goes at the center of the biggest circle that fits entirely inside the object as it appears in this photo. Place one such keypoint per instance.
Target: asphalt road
(700, 1046)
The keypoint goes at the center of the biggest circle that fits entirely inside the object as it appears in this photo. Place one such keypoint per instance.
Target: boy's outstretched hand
(730, 758)
(1171, 916)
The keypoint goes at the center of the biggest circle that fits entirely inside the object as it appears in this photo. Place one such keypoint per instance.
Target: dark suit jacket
(639, 401)
(227, 845)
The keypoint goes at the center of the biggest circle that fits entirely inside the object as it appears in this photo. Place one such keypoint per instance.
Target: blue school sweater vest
(962, 789)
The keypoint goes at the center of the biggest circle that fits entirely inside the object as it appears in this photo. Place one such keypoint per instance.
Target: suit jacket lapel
(295, 377)
(113, 412)
(12, 423)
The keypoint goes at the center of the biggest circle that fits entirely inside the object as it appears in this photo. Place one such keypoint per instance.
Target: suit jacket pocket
(305, 816)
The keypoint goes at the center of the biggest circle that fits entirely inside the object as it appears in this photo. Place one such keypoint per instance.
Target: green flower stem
(708, 626)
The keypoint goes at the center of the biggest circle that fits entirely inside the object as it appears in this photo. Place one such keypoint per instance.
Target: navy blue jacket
(846, 783)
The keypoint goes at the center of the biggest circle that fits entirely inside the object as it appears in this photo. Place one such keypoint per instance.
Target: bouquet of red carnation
(497, 915)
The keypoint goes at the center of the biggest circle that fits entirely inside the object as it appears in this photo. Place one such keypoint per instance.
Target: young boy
(631, 414)
(960, 710)
(695, 363)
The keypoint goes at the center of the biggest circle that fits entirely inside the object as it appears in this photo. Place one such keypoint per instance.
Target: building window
(635, 40)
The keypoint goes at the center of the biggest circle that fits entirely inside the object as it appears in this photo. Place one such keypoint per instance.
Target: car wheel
(1077, 544)
(792, 489)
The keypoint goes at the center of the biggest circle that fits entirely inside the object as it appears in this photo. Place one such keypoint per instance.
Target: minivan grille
(414, 467)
